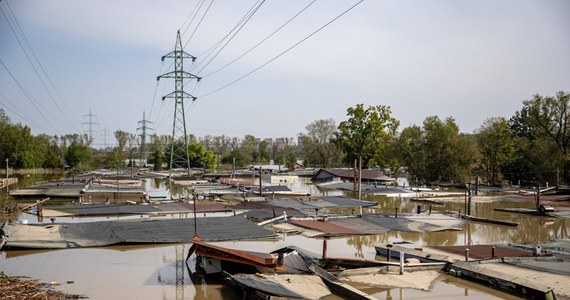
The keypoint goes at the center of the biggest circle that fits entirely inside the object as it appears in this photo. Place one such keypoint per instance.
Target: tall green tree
(550, 115)
(200, 157)
(317, 144)
(449, 153)
(249, 149)
(495, 144)
(437, 152)
(79, 157)
(365, 134)
(412, 152)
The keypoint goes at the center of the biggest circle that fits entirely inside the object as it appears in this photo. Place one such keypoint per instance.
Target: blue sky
(470, 60)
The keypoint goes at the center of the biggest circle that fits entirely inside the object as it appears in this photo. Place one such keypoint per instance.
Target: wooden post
(469, 200)
(195, 219)
(396, 213)
(476, 184)
(260, 184)
(354, 180)
(402, 263)
(557, 180)
(325, 245)
(467, 254)
(466, 189)
(359, 177)
(538, 198)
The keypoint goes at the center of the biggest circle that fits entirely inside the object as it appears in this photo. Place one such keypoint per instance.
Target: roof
(348, 174)
(319, 203)
(104, 233)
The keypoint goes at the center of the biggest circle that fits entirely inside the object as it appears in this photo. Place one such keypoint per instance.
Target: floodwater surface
(162, 272)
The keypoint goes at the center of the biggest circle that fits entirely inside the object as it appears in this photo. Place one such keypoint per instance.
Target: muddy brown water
(159, 271)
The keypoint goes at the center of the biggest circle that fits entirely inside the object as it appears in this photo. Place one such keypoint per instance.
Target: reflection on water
(159, 271)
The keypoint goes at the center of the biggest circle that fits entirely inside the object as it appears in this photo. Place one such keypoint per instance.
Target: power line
(41, 66)
(243, 22)
(262, 41)
(199, 23)
(29, 97)
(282, 53)
(193, 16)
(19, 113)
(29, 59)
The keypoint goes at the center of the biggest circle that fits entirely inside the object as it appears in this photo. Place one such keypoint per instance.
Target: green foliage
(550, 117)
(263, 151)
(366, 132)
(437, 152)
(412, 152)
(496, 147)
(158, 160)
(239, 158)
(249, 149)
(79, 157)
(317, 144)
(200, 157)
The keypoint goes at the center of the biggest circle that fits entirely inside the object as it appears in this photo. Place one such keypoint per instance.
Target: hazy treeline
(531, 146)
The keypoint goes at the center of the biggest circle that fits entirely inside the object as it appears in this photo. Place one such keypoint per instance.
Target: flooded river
(159, 271)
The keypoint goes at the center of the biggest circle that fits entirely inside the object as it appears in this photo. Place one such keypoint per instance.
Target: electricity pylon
(90, 123)
(179, 148)
(144, 147)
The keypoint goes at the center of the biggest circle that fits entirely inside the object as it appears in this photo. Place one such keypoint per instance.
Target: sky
(97, 61)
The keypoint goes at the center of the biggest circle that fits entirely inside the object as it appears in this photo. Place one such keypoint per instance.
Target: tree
(412, 152)
(449, 153)
(263, 151)
(437, 152)
(249, 149)
(78, 157)
(238, 156)
(551, 117)
(200, 157)
(365, 134)
(496, 147)
(528, 165)
(317, 144)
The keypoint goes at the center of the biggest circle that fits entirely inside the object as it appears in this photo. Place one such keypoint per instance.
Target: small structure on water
(327, 175)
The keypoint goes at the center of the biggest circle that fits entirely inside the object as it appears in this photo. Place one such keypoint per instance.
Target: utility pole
(143, 128)
(179, 148)
(90, 123)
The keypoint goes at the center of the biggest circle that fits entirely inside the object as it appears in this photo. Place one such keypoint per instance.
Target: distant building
(280, 143)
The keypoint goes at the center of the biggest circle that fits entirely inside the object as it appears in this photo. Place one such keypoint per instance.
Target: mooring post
(493, 252)
(429, 210)
(402, 263)
(396, 213)
(466, 254)
(388, 252)
(325, 247)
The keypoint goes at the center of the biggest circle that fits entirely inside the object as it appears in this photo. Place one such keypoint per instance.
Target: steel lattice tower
(179, 149)
(144, 127)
